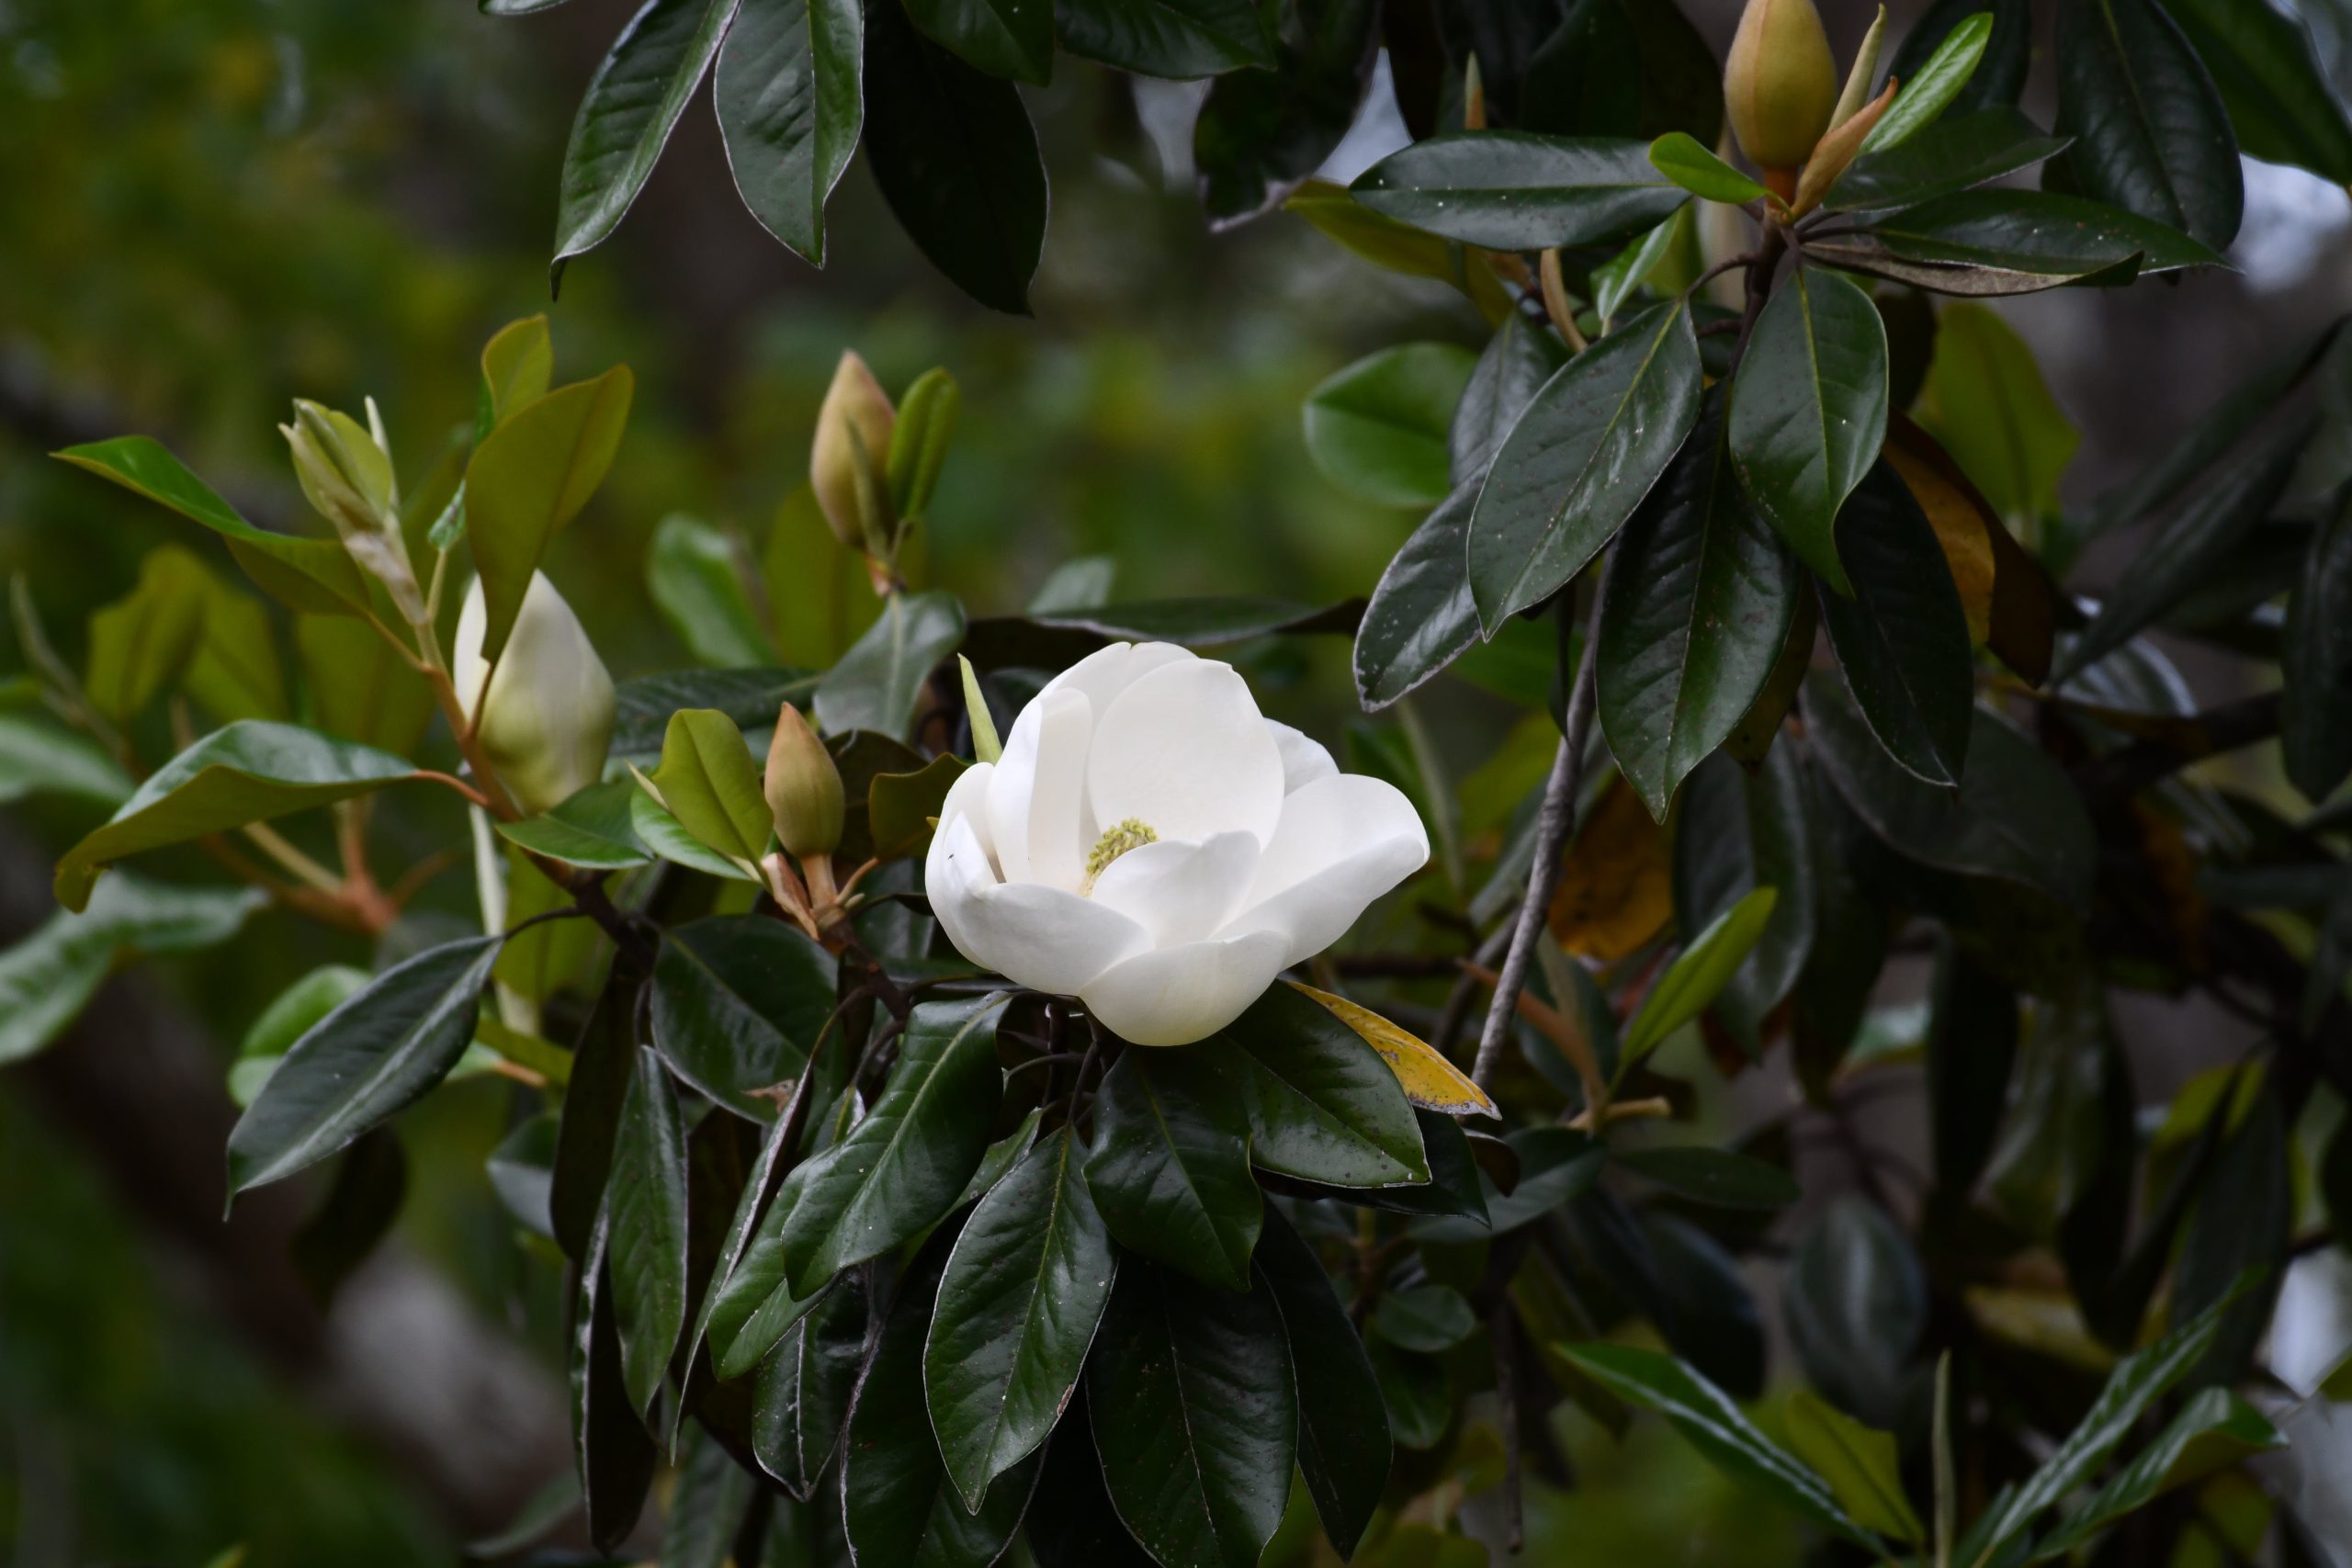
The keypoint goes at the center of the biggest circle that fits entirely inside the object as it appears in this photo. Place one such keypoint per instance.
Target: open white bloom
(1152, 845)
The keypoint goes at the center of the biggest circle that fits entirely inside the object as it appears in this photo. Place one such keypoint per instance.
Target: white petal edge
(1304, 761)
(1184, 750)
(1173, 996)
(1312, 914)
(1181, 892)
(1037, 798)
(1330, 820)
(1041, 937)
(1105, 672)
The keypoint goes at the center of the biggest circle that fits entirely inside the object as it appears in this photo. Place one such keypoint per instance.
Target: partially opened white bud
(546, 721)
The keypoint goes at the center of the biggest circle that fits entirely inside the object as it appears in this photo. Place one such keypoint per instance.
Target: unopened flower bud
(1780, 83)
(347, 475)
(545, 720)
(803, 788)
(848, 461)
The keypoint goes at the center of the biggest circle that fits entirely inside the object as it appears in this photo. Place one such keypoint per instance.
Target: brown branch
(2208, 734)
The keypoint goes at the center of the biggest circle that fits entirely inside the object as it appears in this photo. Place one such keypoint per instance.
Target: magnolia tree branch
(1555, 818)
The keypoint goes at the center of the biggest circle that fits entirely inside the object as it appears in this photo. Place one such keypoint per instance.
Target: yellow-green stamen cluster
(1117, 840)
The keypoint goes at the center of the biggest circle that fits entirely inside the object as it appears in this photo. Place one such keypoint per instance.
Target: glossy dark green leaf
(1973, 1032)
(248, 771)
(1516, 362)
(601, 1066)
(1950, 156)
(1066, 636)
(1586, 451)
(1856, 1305)
(2315, 662)
(1694, 610)
(591, 829)
(754, 1307)
(1940, 77)
(1071, 1523)
(365, 1062)
(1427, 1318)
(2137, 1380)
(1422, 617)
(790, 96)
(2243, 1219)
(1741, 829)
(1261, 133)
(1705, 1415)
(1171, 1166)
(2214, 1429)
(2000, 71)
(1343, 1442)
(1702, 1305)
(2281, 104)
(642, 706)
(1322, 1105)
(1556, 1165)
(1715, 1177)
(1417, 1393)
(316, 575)
(632, 104)
(612, 1450)
(706, 1507)
(1902, 639)
(1003, 37)
(2010, 241)
(897, 1501)
(737, 1001)
(521, 1170)
(1378, 429)
(1509, 190)
(2016, 815)
(900, 1168)
(1453, 1190)
(1180, 38)
(879, 680)
(1620, 68)
(2187, 547)
(2151, 134)
(1195, 1417)
(800, 1399)
(1023, 1292)
(956, 158)
(646, 1230)
(1808, 411)
(357, 1213)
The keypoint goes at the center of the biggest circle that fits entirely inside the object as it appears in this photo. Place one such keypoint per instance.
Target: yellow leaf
(1961, 530)
(1617, 892)
(1428, 1078)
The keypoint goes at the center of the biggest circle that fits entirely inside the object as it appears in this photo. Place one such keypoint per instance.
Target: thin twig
(1557, 815)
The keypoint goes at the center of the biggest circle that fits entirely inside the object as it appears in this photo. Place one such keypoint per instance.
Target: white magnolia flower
(547, 717)
(1153, 846)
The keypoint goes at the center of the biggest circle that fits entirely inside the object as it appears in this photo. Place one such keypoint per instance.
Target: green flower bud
(1780, 83)
(847, 463)
(346, 472)
(803, 788)
(545, 721)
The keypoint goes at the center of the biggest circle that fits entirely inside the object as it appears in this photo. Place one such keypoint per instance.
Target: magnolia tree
(945, 1080)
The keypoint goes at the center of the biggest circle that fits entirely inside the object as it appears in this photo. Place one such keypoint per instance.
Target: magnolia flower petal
(1037, 800)
(1041, 937)
(1183, 751)
(1105, 672)
(1304, 761)
(968, 802)
(1311, 914)
(1180, 892)
(1330, 820)
(1173, 996)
